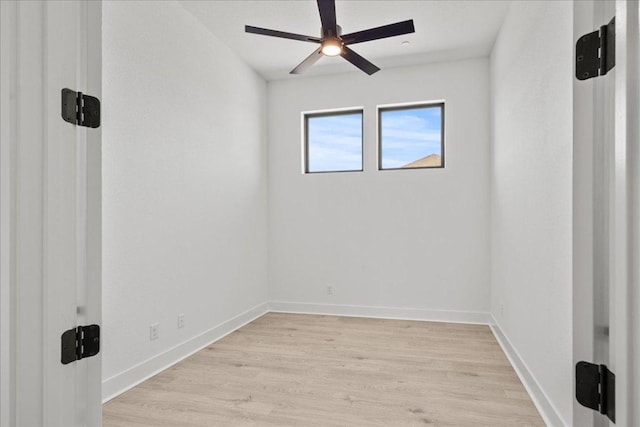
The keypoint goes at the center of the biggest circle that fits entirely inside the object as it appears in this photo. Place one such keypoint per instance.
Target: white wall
(531, 187)
(412, 239)
(184, 187)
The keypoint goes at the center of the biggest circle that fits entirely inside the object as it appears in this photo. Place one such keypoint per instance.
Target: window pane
(334, 142)
(411, 137)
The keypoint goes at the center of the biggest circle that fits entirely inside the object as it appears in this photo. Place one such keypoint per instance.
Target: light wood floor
(306, 370)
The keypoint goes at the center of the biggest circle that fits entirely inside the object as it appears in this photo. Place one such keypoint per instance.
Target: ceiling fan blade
(308, 62)
(327, 9)
(358, 61)
(397, 29)
(281, 34)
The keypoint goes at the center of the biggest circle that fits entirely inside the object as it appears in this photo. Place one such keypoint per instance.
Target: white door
(51, 212)
(606, 215)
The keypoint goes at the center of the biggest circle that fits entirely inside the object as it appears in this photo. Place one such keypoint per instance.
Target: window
(333, 141)
(411, 137)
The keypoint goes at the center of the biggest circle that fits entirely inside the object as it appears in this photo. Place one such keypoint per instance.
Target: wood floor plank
(310, 370)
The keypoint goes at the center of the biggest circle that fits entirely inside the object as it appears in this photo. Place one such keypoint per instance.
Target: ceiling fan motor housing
(329, 35)
(332, 45)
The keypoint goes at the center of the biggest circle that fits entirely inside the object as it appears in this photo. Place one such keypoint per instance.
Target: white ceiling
(445, 30)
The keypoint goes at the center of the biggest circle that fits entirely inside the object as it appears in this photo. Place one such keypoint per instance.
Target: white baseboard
(118, 384)
(476, 317)
(547, 410)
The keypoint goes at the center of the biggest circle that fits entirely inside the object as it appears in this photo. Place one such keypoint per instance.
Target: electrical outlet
(154, 332)
(329, 290)
(180, 321)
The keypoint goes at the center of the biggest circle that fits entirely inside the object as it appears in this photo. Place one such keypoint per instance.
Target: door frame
(623, 207)
(50, 211)
(632, 64)
(7, 244)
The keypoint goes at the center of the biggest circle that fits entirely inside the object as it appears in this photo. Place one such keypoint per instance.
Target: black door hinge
(596, 52)
(596, 388)
(80, 109)
(80, 343)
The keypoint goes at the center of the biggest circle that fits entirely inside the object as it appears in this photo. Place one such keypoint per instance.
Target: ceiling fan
(333, 42)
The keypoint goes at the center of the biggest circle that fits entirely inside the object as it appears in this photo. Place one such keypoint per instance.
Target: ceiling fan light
(332, 47)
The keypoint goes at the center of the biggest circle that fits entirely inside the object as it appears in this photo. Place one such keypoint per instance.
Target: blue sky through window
(411, 135)
(334, 143)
